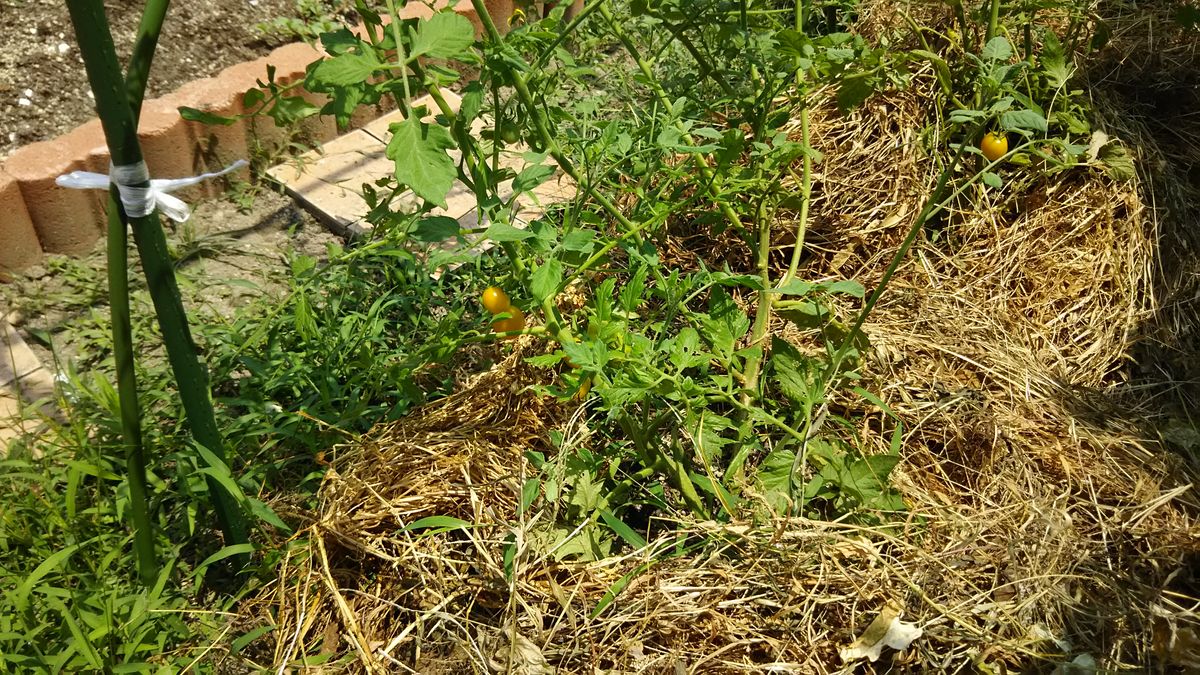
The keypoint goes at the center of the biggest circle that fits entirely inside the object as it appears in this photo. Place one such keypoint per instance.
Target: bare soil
(43, 86)
(231, 252)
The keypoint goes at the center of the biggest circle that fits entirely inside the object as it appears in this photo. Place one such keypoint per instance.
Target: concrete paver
(16, 359)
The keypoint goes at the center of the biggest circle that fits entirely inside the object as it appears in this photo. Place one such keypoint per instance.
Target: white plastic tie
(140, 200)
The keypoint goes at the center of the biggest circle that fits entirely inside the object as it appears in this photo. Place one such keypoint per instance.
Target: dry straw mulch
(1049, 521)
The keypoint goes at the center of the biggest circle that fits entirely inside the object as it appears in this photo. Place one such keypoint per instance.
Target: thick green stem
(118, 297)
(764, 216)
(806, 168)
(406, 104)
(993, 26)
(120, 131)
(131, 425)
(762, 313)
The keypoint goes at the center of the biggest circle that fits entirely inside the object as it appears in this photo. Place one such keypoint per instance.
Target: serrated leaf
(436, 228)
(444, 35)
(544, 360)
(419, 152)
(855, 90)
(471, 105)
(252, 98)
(500, 231)
(344, 69)
(287, 110)
(706, 430)
(1074, 123)
(796, 287)
(1118, 161)
(869, 475)
(790, 370)
(579, 241)
(1054, 60)
(991, 180)
(631, 294)
(339, 41)
(775, 479)
(544, 281)
(1024, 120)
(844, 287)
(726, 322)
(531, 177)
(997, 49)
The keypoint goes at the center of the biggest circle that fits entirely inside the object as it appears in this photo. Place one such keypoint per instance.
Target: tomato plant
(699, 401)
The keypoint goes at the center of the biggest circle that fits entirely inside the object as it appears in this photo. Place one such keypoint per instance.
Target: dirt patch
(229, 254)
(43, 86)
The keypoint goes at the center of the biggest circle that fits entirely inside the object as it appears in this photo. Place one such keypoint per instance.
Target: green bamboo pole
(118, 299)
(131, 426)
(120, 132)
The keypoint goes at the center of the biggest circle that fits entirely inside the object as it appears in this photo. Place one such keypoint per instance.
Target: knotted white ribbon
(141, 201)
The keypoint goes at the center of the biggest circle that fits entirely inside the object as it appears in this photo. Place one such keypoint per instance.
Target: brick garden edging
(37, 216)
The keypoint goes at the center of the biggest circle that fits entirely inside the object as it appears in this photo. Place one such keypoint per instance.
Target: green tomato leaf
(997, 49)
(196, 115)
(845, 287)
(472, 104)
(775, 479)
(343, 70)
(545, 280)
(991, 180)
(1054, 61)
(435, 229)
(966, 116)
(706, 430)
(532, 177)
(444, 35)
(854, 91)
(419, 151)
(869, 475)
(631, 293)
(1118, 161)
(288, 110)
(1023, 120)
(579, 241)
(500, 231)
(791, 371)
(529, 494)
(339, 41)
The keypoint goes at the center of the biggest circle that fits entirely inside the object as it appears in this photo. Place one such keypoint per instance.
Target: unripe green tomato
(509, 133)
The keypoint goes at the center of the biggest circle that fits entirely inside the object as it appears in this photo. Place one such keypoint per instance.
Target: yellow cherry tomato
(584, 388)
(495, 300)
(994, 146)
(512, 323)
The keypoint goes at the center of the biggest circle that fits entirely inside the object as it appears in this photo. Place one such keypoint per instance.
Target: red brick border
(37, 216)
